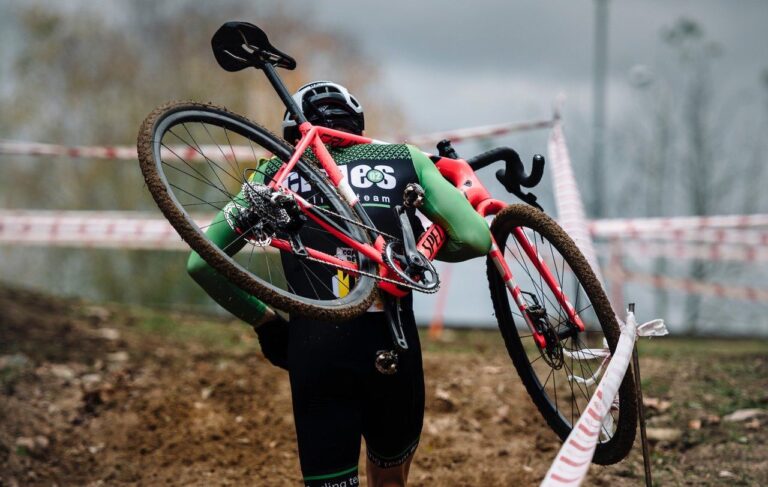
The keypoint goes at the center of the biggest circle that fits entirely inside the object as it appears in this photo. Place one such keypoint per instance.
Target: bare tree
(87, 75)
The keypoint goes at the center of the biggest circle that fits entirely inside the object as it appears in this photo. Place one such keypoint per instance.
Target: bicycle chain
(374, 276)
(359, 224)
(368, 274)
(386, 261)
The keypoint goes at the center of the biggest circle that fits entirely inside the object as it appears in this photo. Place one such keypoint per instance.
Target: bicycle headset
(326, 104)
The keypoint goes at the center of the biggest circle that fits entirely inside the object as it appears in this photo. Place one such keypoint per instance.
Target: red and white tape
(717, 252)
(245, 152)
(570, 209)
(690, 286)
(736, 236)
(185, 152)
(572, 462)
(90, 229)
(674, 225)
(483, 132)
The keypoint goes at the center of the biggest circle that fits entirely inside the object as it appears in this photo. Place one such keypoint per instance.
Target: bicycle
(557, 299)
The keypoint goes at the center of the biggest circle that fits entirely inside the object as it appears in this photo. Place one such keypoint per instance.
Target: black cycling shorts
(339, 396)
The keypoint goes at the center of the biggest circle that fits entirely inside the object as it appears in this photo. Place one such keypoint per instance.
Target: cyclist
(338, 394)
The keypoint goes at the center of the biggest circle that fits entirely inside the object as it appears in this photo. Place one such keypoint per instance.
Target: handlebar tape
(514, 172)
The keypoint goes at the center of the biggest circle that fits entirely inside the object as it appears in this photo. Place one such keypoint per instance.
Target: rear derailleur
(267, 212)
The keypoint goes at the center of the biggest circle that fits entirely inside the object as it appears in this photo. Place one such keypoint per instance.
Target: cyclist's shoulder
(266, 166)
(372, 152)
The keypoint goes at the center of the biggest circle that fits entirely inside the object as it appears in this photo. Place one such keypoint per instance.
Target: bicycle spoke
(202, 178)
(205, 126)
(195, 157)
(558, 373)
(196, 197)
(199, 150)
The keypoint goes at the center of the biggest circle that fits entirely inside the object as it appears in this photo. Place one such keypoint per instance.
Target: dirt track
(105, 396)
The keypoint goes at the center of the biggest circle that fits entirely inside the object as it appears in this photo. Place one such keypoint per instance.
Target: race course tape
(710, 251)
(637, 226)
(244, 153)
(127, 230)
(485, 131)
(186, 152)
(690, 286)
(147, 230)
(572, 462)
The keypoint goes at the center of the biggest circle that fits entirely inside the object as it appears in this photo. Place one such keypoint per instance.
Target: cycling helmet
(326, 104)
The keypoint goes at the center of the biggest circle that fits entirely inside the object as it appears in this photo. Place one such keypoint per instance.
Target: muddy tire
(579, 283)
(152, 150)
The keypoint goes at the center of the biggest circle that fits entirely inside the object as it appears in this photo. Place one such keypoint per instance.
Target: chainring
(428, 279)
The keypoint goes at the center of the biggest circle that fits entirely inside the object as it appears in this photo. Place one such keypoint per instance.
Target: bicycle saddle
(238, 45)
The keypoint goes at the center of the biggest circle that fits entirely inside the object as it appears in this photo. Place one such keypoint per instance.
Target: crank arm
(412, 255)
(392, 311)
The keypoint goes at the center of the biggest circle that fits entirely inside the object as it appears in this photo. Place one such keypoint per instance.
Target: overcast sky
(491, 60)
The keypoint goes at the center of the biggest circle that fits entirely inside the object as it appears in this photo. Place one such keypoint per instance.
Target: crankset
(421, 277)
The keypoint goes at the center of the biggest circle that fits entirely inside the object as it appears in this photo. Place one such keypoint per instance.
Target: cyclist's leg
(388, 477)
(326, 400)
(394, 410)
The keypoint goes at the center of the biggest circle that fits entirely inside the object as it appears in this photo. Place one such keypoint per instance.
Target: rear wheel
(200, 160)
(562, 377)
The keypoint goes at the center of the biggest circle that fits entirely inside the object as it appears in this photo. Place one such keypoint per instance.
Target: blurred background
(665, 113)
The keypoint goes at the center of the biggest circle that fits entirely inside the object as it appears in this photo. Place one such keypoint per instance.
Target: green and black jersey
(378, 173)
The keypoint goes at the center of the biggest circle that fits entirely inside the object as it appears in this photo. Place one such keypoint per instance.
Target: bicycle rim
(199, 161)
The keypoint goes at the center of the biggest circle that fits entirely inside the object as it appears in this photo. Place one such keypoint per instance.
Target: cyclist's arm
(467, 231)
(230, 297)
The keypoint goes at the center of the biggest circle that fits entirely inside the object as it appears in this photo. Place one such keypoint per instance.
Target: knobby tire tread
(618, 447)
(212, 254)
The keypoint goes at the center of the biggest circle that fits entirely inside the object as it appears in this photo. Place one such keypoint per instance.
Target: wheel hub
(552, 352)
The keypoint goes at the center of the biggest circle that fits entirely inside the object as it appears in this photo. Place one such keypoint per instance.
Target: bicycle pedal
(413, 196)
(386, 361)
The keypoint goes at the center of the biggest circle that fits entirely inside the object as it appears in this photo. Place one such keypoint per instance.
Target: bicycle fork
(541, 267)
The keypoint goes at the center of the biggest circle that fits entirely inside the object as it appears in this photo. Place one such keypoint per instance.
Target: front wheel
(561, 377)
(209, 169)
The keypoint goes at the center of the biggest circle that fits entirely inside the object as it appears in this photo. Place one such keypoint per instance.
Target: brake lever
(514, 189)
(513, 176)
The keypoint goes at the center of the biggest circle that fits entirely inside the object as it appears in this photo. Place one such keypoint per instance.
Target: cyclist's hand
(273, 338)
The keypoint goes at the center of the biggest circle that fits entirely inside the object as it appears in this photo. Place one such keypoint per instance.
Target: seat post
(282, 92)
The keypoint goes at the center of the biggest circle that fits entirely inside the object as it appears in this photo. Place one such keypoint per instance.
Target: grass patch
(209, 332)
(681, 347)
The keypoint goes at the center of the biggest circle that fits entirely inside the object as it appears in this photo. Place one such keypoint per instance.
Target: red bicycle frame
(460, 174)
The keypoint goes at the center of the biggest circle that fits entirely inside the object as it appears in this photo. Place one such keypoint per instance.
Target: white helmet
(326, 104)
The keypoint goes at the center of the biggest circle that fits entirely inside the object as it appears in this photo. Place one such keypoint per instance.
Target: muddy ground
(106, 395)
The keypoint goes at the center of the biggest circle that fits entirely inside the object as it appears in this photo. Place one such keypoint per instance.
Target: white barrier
(690, 286)
(146, 230)
(572, 462)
